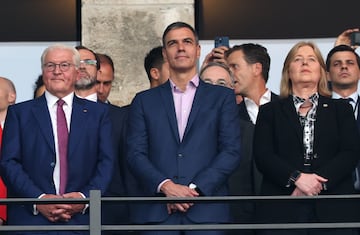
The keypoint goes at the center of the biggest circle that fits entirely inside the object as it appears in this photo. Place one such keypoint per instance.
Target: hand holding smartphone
(222, 41)
(355, 39)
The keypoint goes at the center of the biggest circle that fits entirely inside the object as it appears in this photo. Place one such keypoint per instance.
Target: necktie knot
(60, 102)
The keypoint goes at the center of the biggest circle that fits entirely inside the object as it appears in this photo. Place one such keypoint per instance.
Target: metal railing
(95, 201)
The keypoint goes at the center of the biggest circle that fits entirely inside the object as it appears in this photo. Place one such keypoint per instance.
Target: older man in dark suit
(56, 146)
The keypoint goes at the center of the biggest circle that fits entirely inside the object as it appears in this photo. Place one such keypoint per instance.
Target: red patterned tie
(62, 133)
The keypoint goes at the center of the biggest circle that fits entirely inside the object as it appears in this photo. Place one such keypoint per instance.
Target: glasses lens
(50, 67)
(88, 62)
(64, 67)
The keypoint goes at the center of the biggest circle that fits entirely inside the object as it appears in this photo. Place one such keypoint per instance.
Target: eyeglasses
(88, 62)
(50, 67)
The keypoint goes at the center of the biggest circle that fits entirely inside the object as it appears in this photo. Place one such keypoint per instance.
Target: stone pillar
(126, 30)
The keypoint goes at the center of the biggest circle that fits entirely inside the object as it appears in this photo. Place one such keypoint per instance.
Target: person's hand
(216, 55)
(74, 208)
(344, 38)
(170, 189)
(310, 184)
(54, 212)
(297, 192)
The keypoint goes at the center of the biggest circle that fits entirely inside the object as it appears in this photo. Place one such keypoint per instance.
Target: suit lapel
(42, 115)
(243, 112)
(290, 111)
(198, 98)
(78, 122)
(168, 100)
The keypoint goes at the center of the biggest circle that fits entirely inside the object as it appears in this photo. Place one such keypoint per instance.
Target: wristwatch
(195, 187)
(293, 178)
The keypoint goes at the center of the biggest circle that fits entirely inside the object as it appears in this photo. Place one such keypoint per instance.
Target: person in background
(217, 74)
(216, 55)
(157, 69)
(113, 212)
(105, 77)
(343, 72)
(306, 144)
(39, 87)
(192, 154)
(7, 98)
(345, 38)
(89, 67)
(42, 157)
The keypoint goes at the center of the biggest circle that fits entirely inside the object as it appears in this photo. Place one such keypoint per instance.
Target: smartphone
(355, 39)
(222, 41)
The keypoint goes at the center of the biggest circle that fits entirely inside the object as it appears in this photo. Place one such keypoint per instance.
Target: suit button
(180, 155)
(52, 164)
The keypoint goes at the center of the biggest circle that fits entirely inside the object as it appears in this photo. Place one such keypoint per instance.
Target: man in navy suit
(113, 212)
(30, 155)
(183, 140)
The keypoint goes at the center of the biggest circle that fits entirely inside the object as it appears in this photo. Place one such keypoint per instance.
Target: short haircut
(106, 59)
(340, 48)
(254, 53)
(217, 64)
(10, 84)
(178, 25)
(76, 55)
(153, 59)
(80, 47)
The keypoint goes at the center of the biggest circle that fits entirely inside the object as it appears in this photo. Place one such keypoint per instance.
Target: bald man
(7, 97)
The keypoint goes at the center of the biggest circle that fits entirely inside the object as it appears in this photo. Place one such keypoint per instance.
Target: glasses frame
(51, 66)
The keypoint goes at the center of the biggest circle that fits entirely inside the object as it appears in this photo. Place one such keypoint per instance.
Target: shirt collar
(299, 101)
(193, 82)
(51, 99)
(265, 98)
(354, 96)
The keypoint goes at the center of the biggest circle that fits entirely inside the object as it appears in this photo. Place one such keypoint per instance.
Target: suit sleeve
(12, 170)
(138, 148)
(216, 175)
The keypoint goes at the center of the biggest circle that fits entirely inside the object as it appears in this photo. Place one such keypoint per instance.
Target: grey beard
(84, 84)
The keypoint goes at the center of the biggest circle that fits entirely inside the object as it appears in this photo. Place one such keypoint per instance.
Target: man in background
(7, 98)
(157, 69)
(89, 66)
(113, 212)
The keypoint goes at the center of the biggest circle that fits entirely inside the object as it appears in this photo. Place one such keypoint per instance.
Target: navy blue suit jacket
(207, 155)
(28, 154)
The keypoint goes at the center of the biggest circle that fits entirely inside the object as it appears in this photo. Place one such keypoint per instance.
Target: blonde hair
(286, 85)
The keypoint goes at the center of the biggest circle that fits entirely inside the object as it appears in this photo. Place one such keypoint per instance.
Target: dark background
(40, 20)
(275, 19)
(60, 20)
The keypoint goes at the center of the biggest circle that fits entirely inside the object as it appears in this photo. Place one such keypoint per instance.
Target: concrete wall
(126, 30)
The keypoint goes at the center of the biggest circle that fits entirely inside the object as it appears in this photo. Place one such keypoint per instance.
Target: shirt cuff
(161, 184)
(86, 206)
(35, 211)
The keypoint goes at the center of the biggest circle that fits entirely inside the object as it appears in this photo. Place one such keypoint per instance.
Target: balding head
(7, 87)
(7, 96)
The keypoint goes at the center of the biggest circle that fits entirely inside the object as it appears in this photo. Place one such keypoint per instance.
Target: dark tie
(62, 133)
